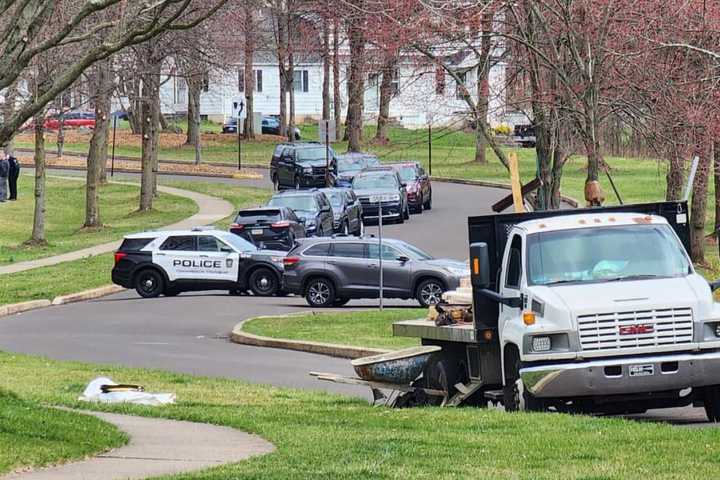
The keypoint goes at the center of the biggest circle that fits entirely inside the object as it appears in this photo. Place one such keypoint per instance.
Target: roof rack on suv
(203, 228)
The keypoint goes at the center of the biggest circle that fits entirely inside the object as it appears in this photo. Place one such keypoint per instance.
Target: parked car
(384, 182)
(271, 126)
(170, 262)
(70, 120)
(269, 227)
(300, 165)
(350, 164)
(230, 126)
(347, 210)
(419, 190)
(331, 271)
(524, 135)
(311, 206)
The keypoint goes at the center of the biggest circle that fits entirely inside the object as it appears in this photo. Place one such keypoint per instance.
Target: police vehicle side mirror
(226, 250)
(403, 185)
(301, 221)
(325, 208)
(403, 259)
(714, 285)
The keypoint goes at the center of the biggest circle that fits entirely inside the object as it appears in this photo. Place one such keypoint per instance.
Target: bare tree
(97, 154)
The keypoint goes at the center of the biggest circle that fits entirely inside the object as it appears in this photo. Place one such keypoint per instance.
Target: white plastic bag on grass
(94, 393)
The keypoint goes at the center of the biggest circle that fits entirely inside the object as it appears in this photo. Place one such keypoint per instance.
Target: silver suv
(332, 271)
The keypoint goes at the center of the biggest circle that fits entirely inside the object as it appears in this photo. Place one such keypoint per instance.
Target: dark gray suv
(331, 271)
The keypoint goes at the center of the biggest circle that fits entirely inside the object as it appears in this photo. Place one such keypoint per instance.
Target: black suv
(269, 227)
(382, 183)
(300, 165)
(331, 271)
(347, 210)
(311, 206)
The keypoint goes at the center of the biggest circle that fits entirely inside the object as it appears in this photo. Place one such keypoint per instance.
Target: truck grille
(640, 328)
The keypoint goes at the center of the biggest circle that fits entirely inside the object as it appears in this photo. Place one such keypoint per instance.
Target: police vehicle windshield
(303, 203)
(310, 154)
(238, 243)
(375, 180)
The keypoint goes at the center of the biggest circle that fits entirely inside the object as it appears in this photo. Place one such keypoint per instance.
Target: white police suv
(170, 262)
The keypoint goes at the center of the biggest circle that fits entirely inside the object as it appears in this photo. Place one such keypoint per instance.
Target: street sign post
(240, 106)
(379, 199)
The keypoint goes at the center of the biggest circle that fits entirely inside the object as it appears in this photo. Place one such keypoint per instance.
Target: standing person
(4, 172)
(14, 173)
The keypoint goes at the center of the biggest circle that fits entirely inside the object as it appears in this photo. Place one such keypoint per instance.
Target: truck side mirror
(479, 265)
(714, 285)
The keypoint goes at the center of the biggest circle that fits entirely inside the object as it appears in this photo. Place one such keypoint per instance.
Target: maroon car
(419, 190)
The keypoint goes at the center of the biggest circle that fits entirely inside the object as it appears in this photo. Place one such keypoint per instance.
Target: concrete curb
(93, 293)
(87, 294)
(482, 183)
(341, 351)
(13, 308)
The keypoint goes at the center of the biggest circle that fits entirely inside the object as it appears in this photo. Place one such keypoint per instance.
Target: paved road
(178, 334)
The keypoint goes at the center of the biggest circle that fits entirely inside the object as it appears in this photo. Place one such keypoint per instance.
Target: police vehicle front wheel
(149, 283)
(263, 282)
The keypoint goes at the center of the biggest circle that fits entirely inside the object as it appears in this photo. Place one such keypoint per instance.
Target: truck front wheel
(516, 398)
(711, 400)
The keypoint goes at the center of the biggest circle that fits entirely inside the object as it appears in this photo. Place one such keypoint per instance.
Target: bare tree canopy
(31, 28)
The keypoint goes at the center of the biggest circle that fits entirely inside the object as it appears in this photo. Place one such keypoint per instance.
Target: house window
(241, 80)
(440, 81)
(395, 85)
(206, 82)
(460, 91)
(180, 90)
(258, 81)
(373, 80)
(301, 81)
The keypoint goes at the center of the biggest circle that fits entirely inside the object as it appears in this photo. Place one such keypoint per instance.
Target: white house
(421, 92)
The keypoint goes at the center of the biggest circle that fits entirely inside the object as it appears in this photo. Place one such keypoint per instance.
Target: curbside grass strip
(14, 308)
(482, 183)
(87, 294)
(332, 350)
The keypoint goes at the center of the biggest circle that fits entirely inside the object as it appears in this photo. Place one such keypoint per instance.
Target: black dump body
(494, 229)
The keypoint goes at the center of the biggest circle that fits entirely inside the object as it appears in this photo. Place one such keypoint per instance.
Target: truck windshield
(605, 254)
(311, 154)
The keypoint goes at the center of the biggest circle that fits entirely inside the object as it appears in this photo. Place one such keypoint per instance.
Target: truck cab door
(511, 278)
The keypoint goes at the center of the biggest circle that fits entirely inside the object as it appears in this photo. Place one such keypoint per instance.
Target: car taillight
(236, 226)
(290, 261)
(119, 256)
(281, 224)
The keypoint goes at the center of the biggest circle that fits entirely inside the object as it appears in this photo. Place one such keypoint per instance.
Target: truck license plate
(257, 231)
(641, 370)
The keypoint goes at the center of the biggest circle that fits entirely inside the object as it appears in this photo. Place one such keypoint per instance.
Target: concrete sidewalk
(210, 210)
(157, 447)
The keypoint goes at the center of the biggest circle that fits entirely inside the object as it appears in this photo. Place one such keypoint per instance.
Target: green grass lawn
(371, 328)
(323, 436)
(78, 275)
(65, 214)
(33, 435)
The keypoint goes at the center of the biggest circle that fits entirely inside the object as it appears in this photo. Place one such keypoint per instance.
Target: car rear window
(133, 244)
(258, 216)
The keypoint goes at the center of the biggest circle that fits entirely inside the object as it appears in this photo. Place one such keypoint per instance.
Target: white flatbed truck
(591, 310)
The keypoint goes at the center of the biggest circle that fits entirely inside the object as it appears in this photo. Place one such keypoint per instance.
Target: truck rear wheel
(516, 398)
(711, 400)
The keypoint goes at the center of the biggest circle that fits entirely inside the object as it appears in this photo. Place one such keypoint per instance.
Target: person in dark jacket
(14, 173)
(4, 173)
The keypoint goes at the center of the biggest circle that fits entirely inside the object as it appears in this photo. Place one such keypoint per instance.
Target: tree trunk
(593, 192)
(61, 132)
(356, 83)
(381, 134)
(97, 154)
(249, 127)
(698, 208)
(194, 83)
(291, 84)
(282, 59)
(8, 107)
(150, 135)
(675, 176)
(38, 231)
(337, 100)
(483, 87)
(326, 72)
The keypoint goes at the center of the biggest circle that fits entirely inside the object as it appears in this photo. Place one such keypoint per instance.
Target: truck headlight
(307, 169)
(541, 344)
(717, 329)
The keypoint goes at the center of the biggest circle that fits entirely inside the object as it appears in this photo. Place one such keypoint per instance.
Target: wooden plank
(515, 183)
(506, 201)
